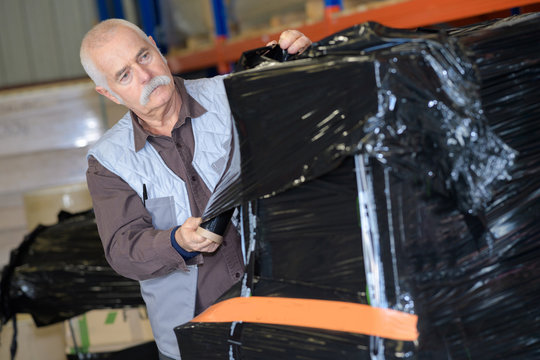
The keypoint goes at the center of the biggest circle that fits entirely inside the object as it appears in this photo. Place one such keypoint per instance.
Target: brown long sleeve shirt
(133, 247)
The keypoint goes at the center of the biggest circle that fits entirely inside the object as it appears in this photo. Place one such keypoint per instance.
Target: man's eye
(145, 57)
(124, 77)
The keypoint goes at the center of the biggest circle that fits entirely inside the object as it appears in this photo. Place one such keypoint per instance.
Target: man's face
(129, 64)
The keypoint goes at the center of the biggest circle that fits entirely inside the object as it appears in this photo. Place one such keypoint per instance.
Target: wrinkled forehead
(118, 49)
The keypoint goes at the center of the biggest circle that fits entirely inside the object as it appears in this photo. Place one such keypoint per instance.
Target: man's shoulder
(213, 84)
(209, 92)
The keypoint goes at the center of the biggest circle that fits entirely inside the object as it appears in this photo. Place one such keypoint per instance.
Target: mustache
(151, 86)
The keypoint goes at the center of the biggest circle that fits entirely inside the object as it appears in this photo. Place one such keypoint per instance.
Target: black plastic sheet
(443, 127)
(341, 100)
(145, 351)
(308, 245)
(60, 271)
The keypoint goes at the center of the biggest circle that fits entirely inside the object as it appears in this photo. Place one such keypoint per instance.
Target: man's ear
(152, 40)
(108, 95)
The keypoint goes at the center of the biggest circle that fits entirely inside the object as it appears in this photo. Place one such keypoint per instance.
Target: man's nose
(144, 74)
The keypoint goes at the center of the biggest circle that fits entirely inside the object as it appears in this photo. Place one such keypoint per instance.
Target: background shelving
(394, 13)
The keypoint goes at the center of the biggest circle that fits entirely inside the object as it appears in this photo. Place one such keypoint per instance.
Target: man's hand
(293, 41)
(190, 241)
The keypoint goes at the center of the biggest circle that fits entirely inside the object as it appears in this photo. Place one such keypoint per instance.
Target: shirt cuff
(185, 254)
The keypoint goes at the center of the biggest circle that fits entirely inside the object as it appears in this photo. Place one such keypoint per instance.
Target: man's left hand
(293, 41)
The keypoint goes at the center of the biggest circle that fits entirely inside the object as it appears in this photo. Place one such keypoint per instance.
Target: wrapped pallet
(388, 180)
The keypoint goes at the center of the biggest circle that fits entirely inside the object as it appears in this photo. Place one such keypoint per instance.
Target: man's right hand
(190, 241)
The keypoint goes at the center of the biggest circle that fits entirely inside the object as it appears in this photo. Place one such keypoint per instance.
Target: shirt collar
(190, 109)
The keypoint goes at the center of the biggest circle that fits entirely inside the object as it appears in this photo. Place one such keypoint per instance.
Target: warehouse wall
(39, 40)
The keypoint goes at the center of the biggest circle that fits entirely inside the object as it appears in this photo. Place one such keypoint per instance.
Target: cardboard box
(107, 330)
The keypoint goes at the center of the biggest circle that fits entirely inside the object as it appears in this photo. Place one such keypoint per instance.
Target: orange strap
(321, 314)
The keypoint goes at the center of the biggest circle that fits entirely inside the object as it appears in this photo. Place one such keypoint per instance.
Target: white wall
(39, 40)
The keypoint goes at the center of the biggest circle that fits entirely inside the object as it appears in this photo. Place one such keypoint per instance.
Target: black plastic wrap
(214, 341)
(218, 224)
(342, 100)
(439, 216)
(60, 271)
(308, 245)
(145, 351)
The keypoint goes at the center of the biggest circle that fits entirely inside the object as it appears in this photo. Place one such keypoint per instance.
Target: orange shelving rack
(403, 14)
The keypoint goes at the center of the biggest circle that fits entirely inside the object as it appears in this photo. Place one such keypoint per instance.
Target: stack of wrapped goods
(59, 271)
(389, 169)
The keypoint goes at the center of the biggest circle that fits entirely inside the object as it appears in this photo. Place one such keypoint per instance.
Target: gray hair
(96, 37)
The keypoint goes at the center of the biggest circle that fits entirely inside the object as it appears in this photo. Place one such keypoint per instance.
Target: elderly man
(150, 176)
